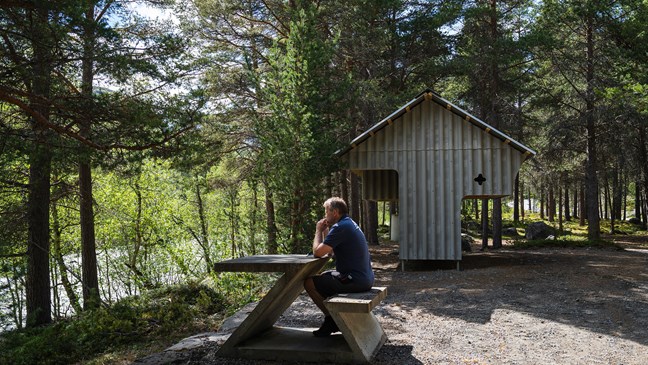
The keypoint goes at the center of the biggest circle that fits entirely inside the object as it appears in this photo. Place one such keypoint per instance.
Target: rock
(511, 231)
(538, 231)
(466, 241)
(232, 322)
(634, 220)
(200, 340)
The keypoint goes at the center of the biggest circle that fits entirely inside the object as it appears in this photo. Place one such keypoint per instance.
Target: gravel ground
(546, 306)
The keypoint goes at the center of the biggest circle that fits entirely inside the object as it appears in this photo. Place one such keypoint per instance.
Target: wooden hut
(429, 155)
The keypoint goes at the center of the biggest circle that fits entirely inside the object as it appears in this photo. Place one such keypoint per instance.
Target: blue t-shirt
(351, 252)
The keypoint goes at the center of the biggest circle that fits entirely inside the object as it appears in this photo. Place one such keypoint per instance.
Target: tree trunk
(566, 203)
(560, 212)
(618, 189)
(271, 227)
(73, 298)
(38, 288)
(38, 245)
(204, 231)
(354, 203)
(497, 223)
(91, 298)
(484, 224)
(542, 204)
(591, 182)
(612, 200)
(370, 226)
(583, 207)
(575, 213)
(254, 216)
(551, 204)
(142, 279)
(516, 199)
(522, 200)
(344, 185)
(643, 153)
(637, 207)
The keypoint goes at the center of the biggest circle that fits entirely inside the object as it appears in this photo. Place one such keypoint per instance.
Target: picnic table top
(266, 263)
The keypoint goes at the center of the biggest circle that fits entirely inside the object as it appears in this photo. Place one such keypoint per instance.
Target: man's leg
(328, 326)
(315, 295)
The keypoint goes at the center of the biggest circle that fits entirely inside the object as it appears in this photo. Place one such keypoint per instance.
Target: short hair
(337, 203)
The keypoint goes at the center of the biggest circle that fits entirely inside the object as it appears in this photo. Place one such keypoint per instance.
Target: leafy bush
(156, 313)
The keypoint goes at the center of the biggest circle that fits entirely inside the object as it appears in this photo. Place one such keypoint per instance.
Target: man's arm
(319, 248)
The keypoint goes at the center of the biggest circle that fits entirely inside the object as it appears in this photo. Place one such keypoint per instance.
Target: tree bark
(204, 232)
(583, 206)
(271, 226)
(344, 186)
(38, 287)
(591, 182)
(38, 245)
(566, 202)
(58, 257)
(91, 298)
(516, 199)
(484, 223)
(370, 226)
(542, 203)
(355, 199)
(497, 223)
(560, 212)
(637, 207)
(551, 204)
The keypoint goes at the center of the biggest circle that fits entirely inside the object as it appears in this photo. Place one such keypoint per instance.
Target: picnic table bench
(258, 338)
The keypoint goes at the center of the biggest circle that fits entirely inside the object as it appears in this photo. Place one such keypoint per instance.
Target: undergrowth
(163, 315)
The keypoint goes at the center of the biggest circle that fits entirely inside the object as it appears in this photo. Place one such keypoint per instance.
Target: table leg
(270, 308)
(362, 332)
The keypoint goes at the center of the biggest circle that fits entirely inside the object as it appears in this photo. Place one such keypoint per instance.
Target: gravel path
(548, 306)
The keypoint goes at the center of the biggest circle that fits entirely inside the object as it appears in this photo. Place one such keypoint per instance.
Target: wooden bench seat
(361, 330)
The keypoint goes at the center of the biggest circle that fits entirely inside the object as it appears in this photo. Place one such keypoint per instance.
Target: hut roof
(429, 94)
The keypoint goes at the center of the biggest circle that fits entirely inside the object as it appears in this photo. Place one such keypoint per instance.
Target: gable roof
(429, 94)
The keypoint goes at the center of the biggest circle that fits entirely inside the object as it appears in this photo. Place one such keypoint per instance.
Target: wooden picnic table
(258, 338)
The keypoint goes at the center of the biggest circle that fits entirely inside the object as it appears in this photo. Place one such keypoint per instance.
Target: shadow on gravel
(393, 354)
(603, 291)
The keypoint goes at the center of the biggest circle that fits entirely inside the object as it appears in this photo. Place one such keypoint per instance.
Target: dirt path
(546, 306)
(582, 306)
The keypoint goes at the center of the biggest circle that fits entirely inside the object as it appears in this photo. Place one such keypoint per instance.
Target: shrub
(135, 319)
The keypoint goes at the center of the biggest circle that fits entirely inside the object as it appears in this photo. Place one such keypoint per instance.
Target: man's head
(335, 208)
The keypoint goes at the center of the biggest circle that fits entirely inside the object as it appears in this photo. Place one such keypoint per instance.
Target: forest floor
(506, 306)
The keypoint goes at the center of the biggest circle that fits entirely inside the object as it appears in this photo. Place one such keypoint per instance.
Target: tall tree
(45, 44)
(493, 60)
(297, 141)
(579, 53)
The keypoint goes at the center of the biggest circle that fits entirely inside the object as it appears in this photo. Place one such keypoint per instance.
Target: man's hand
(321, 230)
(322, 225)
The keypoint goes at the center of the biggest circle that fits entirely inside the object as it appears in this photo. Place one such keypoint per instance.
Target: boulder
(510, 231)
(466, 241)
(634, 220)
(538, 231)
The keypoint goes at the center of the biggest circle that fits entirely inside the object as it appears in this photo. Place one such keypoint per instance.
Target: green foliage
(167, 312)
(297, 140)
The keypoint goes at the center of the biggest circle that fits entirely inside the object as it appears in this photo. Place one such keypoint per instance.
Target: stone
(538, 231)
(466, 241)
(510, 231)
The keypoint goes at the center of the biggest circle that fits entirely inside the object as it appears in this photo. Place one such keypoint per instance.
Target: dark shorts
(328, 285)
